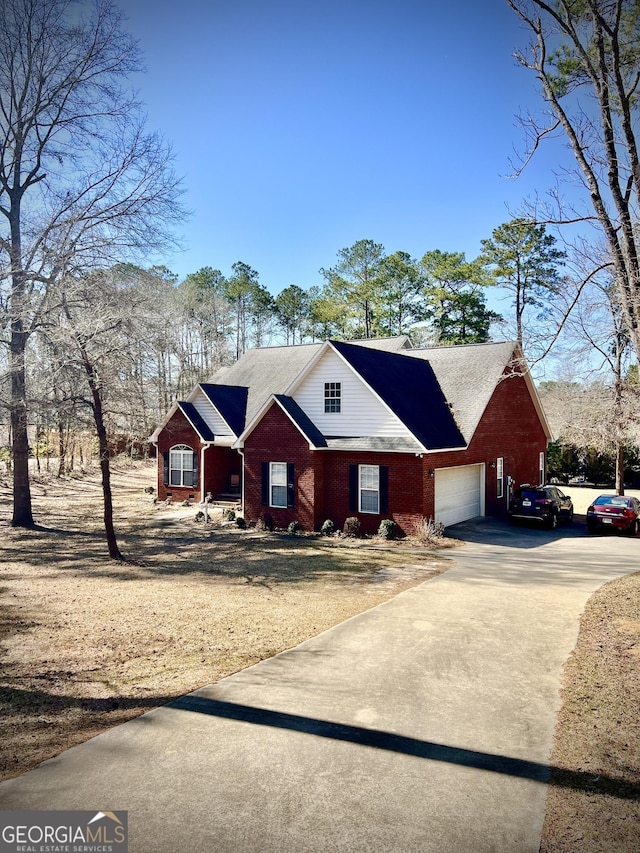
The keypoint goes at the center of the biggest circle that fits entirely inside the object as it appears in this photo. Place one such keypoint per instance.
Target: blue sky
(301, 127)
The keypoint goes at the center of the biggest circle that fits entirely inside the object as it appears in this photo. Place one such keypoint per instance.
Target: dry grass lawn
(86, 643)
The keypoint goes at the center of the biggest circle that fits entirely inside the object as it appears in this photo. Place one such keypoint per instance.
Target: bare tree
(97, 320)
(586, 56)
(82, 184)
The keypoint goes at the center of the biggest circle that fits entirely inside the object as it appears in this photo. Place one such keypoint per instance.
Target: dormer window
(332, 397)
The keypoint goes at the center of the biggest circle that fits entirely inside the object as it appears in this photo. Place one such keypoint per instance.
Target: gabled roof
(409, 388)
(398, 343)
(438, 394)
(231, 403)
(262, 373)
(271, 370)
(196, 420)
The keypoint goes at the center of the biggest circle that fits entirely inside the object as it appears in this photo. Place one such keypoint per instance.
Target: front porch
(222, 477)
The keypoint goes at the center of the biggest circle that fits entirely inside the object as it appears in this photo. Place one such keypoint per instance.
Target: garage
(459, 493)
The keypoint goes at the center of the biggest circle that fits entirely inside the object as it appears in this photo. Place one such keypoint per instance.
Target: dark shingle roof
(411, 390)
(230, 401)
(302, 421)
(196, 420)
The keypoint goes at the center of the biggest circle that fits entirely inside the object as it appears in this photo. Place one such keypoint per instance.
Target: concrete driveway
(423, 725)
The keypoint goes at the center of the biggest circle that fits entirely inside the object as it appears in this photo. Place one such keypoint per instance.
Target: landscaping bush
(241, 523)
(351, 527)
(328, 528)
(294, 527)
(229, 515)
(387, 529)
(429, 532)
(265, 522)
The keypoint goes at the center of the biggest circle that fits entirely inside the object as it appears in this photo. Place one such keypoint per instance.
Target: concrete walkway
(425, 724)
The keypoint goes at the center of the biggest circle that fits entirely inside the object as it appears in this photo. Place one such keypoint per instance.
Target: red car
(615, 511)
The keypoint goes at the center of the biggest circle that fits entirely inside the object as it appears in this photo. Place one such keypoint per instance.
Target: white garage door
(459, 493)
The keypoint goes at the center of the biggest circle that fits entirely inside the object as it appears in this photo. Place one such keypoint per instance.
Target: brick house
(372, 429)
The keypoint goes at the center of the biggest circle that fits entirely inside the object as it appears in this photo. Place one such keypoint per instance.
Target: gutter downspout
(241, 452)
(155, 444)
(205, 446)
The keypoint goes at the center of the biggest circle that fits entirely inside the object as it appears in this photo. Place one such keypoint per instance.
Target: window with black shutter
(369, 489)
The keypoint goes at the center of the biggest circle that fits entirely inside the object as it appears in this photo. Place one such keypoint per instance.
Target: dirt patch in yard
(86, 643)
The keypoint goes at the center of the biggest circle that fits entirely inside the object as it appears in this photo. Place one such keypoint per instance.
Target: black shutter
(165, 457)
(195, 470)
(265, 484)
(291, 488)
(353, 488)
(384, 489)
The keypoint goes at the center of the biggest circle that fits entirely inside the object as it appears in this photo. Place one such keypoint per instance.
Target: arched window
(182, 466)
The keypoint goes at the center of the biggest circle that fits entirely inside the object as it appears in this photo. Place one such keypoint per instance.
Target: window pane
(368, 501)
(369, 488)
(332, 396)
(279, 496)
(369, 476)
(181, 466)
(278, 473)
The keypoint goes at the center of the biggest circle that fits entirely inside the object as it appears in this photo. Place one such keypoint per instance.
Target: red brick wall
(510, 428)
(406, 489)
(322, 479)
(276, 439)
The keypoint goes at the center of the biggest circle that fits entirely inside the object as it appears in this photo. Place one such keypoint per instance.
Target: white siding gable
(210, 414)
(362, 413)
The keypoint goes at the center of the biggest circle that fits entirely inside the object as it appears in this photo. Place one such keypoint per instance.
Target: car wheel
(633, 528)
(591, 528)
(552, 522)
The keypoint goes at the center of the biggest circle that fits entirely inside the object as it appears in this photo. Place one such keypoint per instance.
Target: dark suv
(546, 504)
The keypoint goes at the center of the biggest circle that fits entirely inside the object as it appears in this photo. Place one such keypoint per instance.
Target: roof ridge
(461, 346)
